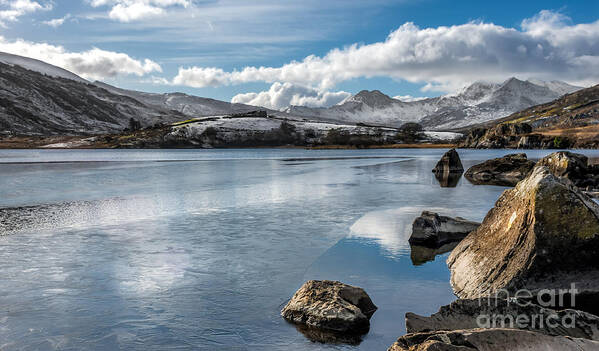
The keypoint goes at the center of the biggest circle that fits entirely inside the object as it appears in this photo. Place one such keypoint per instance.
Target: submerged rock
(507, 170)
(433, 230)
(501, 313)
(449, 163)
(331, 310)
(542, 234)
(490, 340)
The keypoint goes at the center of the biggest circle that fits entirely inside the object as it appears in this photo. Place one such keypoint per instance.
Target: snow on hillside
(235, 129)
(39, 66)
(193, 106)
(555, 85)
(477, 103)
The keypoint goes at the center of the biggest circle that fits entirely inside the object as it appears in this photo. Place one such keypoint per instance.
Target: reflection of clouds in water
(163, 271)
(390, 228)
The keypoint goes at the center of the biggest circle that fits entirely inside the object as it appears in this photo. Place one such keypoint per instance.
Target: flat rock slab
(500, 313)
(505, 171)
(490, 340)
(330, 306)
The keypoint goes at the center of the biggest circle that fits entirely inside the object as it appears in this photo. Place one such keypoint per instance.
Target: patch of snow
(442, 135)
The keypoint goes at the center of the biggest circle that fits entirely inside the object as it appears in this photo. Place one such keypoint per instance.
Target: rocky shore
(526, 278)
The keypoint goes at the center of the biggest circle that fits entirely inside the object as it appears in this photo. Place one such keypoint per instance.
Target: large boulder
(572, 166)
(432, 230)
(330, 306)
(449, 163)
(490, 340)
(507, 170)
(495, 312)
(542, 234)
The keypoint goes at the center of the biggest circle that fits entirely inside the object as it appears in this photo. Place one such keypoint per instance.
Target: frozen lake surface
(200, 249)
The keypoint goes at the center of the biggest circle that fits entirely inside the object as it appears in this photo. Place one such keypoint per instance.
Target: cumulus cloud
(134, 10)
(91, 64)
(444, 58)
(282, 95)
(11, 10)
(57, 22)
(409, 98)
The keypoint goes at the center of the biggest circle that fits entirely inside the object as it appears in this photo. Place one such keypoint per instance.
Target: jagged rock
(532, 141)
(565, 164)
(330, 307)
(542, 234)
(449, 163)
(433, 230)
(490, 340)
(507, 170)
(493, 312)
(500, 136)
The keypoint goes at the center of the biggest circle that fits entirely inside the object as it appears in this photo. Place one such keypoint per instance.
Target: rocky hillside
(477, 103)
(33, 103)
(569, 121)
(37, 98)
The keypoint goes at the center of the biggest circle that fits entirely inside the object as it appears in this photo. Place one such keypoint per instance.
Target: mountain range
(39, 98)
(477, 103)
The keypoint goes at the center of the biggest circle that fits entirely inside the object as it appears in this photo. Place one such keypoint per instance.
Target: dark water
(197, 249)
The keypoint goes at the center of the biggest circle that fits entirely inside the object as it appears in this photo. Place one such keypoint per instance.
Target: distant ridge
(477, 103)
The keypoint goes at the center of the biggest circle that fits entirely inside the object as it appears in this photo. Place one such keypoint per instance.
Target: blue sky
(203, 47)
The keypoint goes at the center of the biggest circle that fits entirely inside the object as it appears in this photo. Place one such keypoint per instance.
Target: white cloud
(10, 11)
(134, 10)
(91, 64)
(444, 58)
(409, 98)
(281, 95)
(57, 22)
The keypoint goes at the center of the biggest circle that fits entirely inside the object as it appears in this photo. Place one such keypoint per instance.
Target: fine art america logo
(541, 316)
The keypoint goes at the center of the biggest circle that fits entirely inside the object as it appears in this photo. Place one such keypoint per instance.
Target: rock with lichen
(542, 234)
(330, 307)
(572, 166)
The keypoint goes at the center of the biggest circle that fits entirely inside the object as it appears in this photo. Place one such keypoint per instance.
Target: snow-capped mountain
(193, 106)
(39, 98)
(477, 103)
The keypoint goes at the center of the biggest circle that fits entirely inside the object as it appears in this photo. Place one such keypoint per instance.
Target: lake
(200, 249)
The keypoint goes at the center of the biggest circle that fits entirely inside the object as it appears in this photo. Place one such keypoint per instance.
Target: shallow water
(111, 250)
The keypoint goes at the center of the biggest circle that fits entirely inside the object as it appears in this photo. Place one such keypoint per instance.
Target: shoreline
(79, 143)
